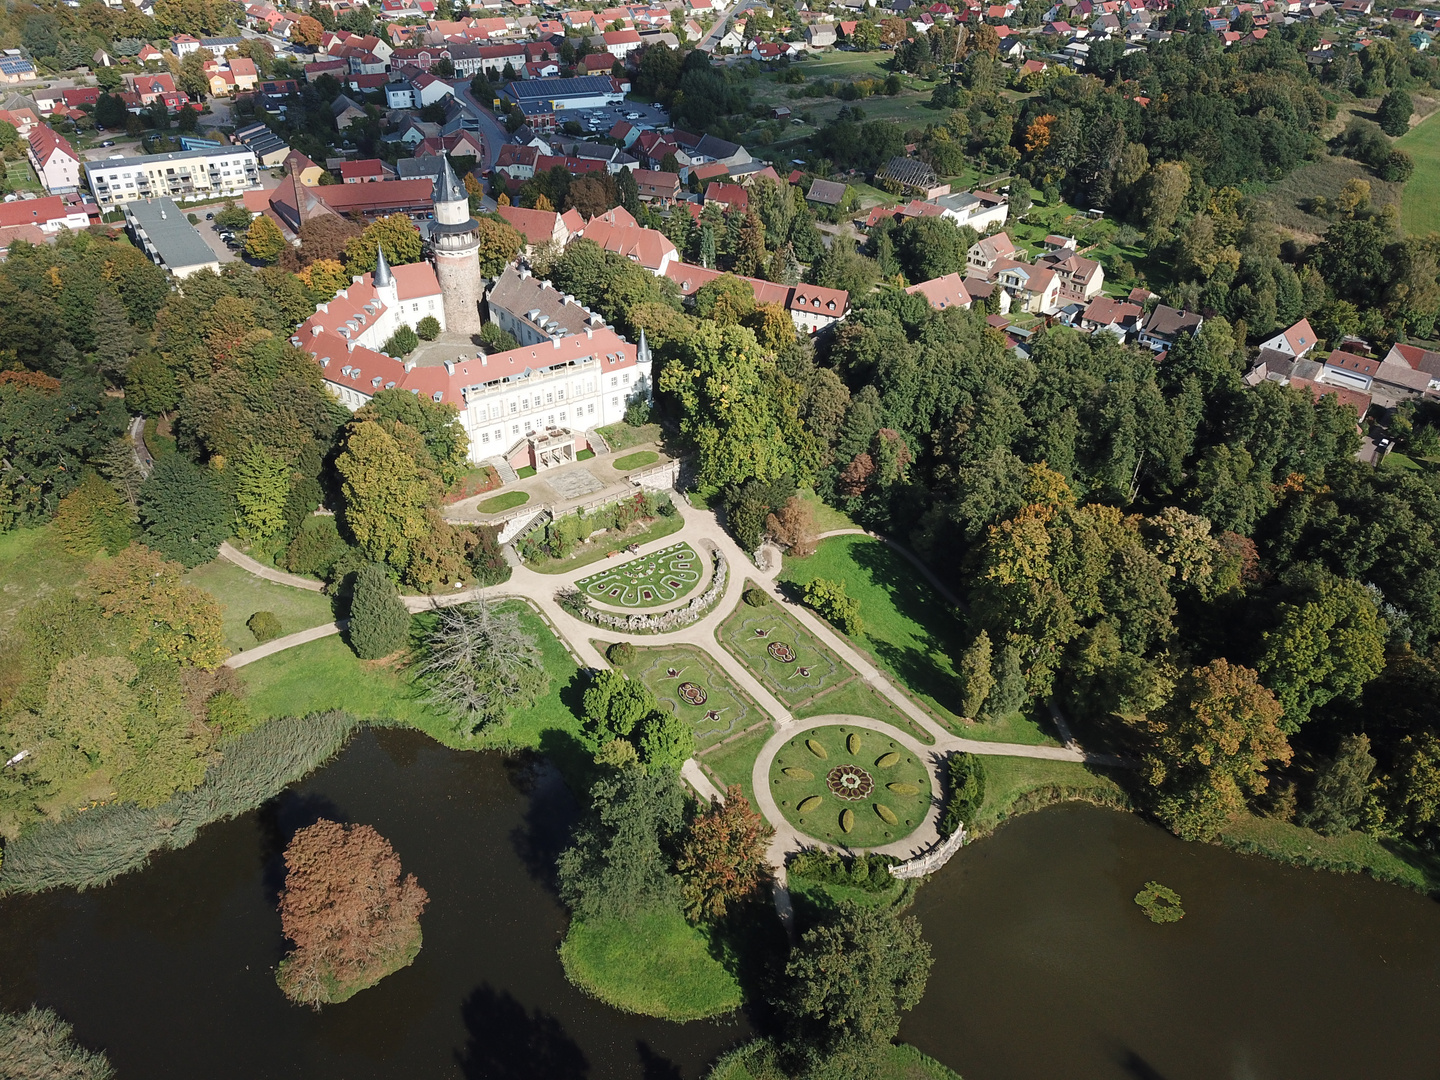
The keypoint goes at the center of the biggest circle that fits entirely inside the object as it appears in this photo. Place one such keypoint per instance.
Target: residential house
(54, 160)
(985, 253)
(980, 210)
(658, 187)
(543, 226)
(826, 193)
(1295, 341)
(1081, 279)
(303, 169)
(729, 197)
(15, 69)
(620, 43)
(814, 309)
(346, 111)
(39, 221)
(820, 35)
(617, 231)
(1163, 326)
(1032, 289)
(1118, 317)
(1410, 368)
(943, 292)
(517, 162)
(269, 149)
(363, 171)
(1350, 370)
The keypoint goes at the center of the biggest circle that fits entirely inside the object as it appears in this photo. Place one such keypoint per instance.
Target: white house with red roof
(621, 43)
(1296, 341)
(54, 160)
(617, 230)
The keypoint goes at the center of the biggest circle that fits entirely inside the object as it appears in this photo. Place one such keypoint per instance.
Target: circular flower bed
(850, 786)
(849, 782)
(781, 651)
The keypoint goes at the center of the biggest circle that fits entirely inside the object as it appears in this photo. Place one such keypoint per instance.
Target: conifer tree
(379, 623)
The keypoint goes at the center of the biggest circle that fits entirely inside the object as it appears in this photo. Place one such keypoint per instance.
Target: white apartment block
(183, 176)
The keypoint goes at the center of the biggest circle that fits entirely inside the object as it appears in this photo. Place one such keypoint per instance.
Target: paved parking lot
(647, 116)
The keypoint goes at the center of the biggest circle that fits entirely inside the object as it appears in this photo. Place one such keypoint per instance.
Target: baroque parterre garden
(784, 655)
(692, 685)
(650, 581)
(850, 786)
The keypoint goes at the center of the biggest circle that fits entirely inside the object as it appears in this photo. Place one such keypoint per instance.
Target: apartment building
(183, 175)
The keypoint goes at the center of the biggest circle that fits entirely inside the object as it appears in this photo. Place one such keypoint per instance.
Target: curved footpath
(700, 525)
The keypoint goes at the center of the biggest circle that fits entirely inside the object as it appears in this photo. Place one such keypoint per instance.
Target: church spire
(383, 278)
(642, 354)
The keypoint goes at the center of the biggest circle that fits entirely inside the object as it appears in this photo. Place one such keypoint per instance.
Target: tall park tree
(184, 514)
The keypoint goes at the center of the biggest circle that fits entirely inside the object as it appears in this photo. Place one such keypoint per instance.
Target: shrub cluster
(868, 872)
(964, 791)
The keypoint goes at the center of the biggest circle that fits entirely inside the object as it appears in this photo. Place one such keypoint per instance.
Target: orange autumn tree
(352, 918)
(722, 860)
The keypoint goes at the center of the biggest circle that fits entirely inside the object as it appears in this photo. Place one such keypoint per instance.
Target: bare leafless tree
(480, 664)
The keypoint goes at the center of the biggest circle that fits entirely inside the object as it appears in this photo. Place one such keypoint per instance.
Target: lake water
(1044, 966)
(171, 970)
(1044, 970)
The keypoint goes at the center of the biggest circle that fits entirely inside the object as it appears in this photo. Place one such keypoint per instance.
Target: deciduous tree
(351, 916)
(723, 858)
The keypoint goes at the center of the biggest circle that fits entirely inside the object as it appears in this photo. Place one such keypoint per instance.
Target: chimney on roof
(409, 365)
(449, 367)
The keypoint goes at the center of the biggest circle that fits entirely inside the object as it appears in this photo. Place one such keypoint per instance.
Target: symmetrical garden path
(703, 532)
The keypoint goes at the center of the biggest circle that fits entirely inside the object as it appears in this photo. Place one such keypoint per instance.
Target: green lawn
(648, 581)
(734, 762)
(1014, 786)
(827, 518)
(909, 630)
(20, 177)
(777, 650)
(1352, 852)
(639, 459)
(858, 698)
(655, 964)
(1420, 203)
(34, 564)
(725, 710)
(622, 436)
(598, 548)
(325, 674)
(506, 501)
(813, 779)
(902, 1062)
(241, 594)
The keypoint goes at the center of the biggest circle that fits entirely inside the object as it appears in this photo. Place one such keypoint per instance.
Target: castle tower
(455, 239)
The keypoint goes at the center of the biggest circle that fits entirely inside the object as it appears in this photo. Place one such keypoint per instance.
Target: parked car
(209, 217)
(108, 142)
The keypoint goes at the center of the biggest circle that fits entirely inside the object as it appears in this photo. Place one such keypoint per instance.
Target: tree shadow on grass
(508, 1043)
(750, 944)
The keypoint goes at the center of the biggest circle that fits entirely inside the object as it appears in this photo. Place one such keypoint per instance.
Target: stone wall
(933, 859)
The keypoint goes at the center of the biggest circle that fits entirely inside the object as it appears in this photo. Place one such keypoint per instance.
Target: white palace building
(531, 405)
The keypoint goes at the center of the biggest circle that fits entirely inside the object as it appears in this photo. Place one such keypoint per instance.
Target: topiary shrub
(379, 623)
(755, 596)
(620, 654)
(264, 625)
(428, 328)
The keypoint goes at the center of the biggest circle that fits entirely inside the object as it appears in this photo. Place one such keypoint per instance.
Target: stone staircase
(502, 469)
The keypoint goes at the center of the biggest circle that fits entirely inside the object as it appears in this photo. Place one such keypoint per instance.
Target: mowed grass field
(1420, 205)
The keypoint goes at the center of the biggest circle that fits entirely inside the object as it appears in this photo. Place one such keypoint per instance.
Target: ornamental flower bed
(849, 786)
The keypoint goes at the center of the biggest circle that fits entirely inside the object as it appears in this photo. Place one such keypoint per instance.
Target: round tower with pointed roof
(455, 240)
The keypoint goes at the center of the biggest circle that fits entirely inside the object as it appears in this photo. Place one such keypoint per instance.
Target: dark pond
(171, 970)
(1046, 969)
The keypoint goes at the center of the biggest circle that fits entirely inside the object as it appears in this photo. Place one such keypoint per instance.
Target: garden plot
(850, 786)
(649, 581)
(694, 687)
(784, 655)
